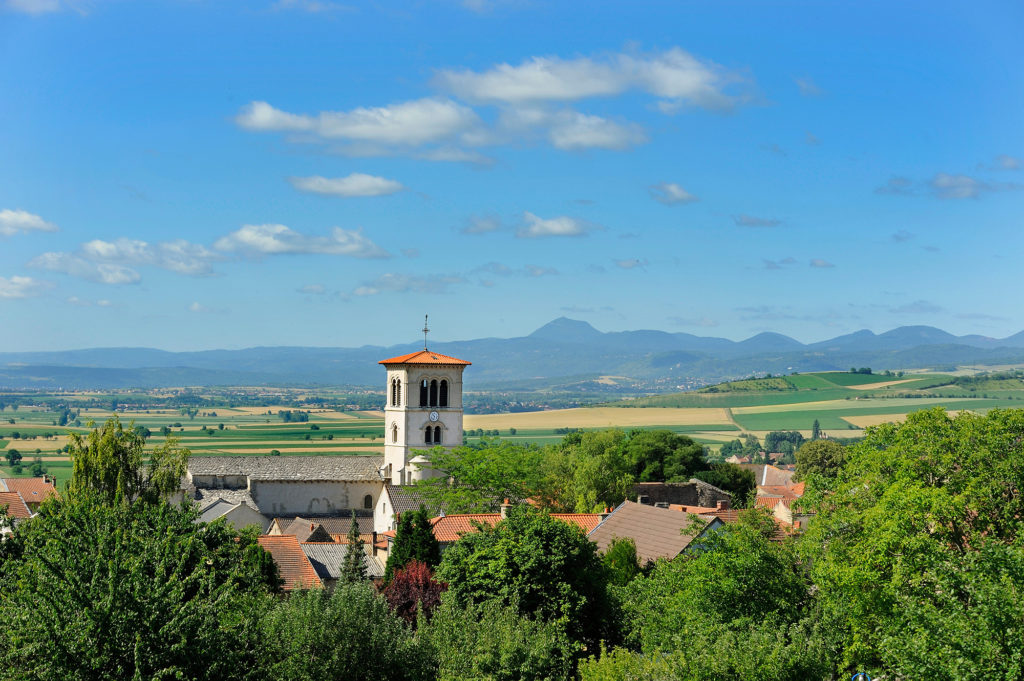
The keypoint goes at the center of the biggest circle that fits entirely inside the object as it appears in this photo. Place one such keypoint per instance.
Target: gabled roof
(766, 474)
(792, 491)
(33, 490)
(15, 504)
(334, 525)
(348, 467)
(770, 502)
(657, 532)
(449, 528)
(307, 530)
(425, 357)
(296, 570)
(328, 558)
(406, 498)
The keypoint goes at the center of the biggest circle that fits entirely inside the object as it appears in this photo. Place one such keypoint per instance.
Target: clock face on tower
(434, 416)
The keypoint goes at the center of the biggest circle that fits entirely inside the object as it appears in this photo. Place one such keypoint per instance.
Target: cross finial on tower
(426, 330)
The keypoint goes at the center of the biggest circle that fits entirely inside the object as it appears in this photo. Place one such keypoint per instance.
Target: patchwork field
(842, 403)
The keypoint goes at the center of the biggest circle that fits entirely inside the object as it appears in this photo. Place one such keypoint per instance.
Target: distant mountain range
(559, 349)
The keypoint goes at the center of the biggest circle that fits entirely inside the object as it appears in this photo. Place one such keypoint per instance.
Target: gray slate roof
(343, 468)
(233, 496)
(214, 510)
(327, 560)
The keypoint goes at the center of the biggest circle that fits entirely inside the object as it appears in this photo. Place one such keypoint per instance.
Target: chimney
(504, 509)
(642, 499)
(722, 505)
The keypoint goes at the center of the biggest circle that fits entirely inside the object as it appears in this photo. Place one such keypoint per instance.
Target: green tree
(130, 591)
(496, 642)
(414, 540)
(920, 533)
(13, 457)
(109, 462)
(546, 568)
(661, 455)
(820, 457)
(587, 471)
(353, 567)
(816, 430)
(621, 562)
(484, 473)
(349, 634)
(739, 482)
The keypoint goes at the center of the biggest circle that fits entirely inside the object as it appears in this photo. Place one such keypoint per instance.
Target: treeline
(584, 473)
(912, 568)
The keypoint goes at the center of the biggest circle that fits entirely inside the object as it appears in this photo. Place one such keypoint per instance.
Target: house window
(443, 401)
(423, 393)
(368, 501)
(433, 393)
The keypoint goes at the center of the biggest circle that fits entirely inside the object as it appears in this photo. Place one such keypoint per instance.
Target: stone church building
(423, 410)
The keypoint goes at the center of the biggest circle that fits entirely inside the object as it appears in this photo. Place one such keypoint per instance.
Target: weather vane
(426, 330)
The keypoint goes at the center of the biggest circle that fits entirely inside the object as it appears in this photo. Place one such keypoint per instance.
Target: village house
(657, 532)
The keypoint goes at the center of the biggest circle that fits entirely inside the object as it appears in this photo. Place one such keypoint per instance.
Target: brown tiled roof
(770, 502)
(792, 491)
(657, 532)
(33, 490)
(766, 474)
(15, 504)
(295, 568)
(425, 357)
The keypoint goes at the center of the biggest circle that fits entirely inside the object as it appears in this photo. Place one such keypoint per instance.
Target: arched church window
(398, 392)
(394, 432)
(427, 434)
(433, 393)
(423, 393)
(368, 501)
(437, 434)
(443, 400)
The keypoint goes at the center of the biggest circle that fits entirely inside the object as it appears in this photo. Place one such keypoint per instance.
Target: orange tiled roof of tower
(424, 357)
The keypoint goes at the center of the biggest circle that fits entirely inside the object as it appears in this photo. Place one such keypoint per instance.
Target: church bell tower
(423, 410)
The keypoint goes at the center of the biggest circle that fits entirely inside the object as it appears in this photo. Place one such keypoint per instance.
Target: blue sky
(196, 174)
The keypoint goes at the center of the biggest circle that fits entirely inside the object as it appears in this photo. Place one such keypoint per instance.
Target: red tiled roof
(16, 507)
(424, 357)
(295, 568)
(33, 490)
(449, 528)
(793, 491)
(586, 521)
(770, 502)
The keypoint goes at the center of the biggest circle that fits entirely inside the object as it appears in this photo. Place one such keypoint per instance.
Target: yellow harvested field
(884, 384)
(598, 417)
(369, 449)
(375, 413)
(875, 419)
(215, 442)
(771, 408)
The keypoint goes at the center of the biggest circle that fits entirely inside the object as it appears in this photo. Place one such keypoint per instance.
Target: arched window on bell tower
(437, 434)
(443, 398)
(427, 435)
(398, 392)
(433, 393)
(423, 393)
(394, 432)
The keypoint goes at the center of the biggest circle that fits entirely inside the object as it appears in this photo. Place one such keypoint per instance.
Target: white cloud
(33, 6)
(948, 186)
(356, 184)
(745, 220)
(674, 75)
(178, 256)
(412, 123)
(631, 263)
(255, 240)
(196, 306)
(570, 130)
(1005, 162)
(818, 262)
(77, 266)
(671, 193)
(14, 221)
(75, 300)
(560, 226)
(405, 283)
(23, 287)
